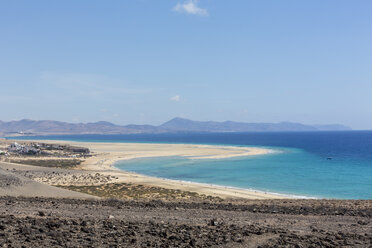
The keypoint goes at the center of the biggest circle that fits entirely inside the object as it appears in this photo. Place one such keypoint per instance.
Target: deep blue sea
(311, 164)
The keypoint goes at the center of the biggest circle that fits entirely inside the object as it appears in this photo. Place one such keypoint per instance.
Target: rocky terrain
(149, 216)
(58, 176)
(45, 222)
(176, 219)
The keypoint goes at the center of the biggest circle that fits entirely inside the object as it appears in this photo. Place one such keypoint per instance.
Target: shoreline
(222, 187)
(161, 217)
(106, 154)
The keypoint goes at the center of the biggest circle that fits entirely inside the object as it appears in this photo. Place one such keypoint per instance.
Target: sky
(147, 61)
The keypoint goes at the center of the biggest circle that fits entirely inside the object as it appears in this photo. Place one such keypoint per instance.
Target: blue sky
(146, 61)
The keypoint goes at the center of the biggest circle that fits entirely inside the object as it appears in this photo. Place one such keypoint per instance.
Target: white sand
(106, 154)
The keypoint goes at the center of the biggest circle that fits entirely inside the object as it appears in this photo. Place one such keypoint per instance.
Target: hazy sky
(146, 61)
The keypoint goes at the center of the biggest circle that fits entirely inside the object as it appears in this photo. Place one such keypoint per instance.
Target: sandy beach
(68, 198)
(106, 154)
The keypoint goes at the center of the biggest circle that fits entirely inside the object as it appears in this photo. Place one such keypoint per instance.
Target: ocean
(306, 164)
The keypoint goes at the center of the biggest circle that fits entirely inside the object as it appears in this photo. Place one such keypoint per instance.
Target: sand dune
(12, 184)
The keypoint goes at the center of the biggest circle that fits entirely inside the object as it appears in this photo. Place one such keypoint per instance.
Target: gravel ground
(6, 180)
(51, 222)
(47, 222)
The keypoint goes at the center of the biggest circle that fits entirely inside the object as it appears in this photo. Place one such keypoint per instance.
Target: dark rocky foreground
(39, 222)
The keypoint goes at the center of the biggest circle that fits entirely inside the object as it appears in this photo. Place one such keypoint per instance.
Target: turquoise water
(290, 172)
(312, 164)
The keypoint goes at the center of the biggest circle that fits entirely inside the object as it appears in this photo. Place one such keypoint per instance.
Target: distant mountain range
(31, 127)
(185, 125)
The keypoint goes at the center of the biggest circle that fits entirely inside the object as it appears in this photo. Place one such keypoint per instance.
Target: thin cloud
(190, 7)
(175, 98)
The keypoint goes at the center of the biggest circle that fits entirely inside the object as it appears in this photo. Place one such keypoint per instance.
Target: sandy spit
(106, 154)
